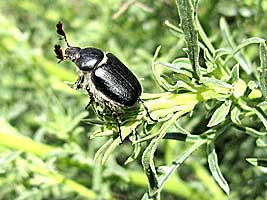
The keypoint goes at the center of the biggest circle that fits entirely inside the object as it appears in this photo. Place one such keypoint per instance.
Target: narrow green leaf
(235, 74)
(240, 87)
(245, 43)
(190, 138)
(149, 167)
(100, 133)
(221, 52)
(228, 38)
(148, 155)
(184, 86)
(261, 142)
(156, 75)
(181, 129)
(181, 66)
(187, 15)
(146, 196)
(135, 153)
(173, 27)
(251, 131)
(169, 170)
(125, 132)
(168, 82)
(235, 113)
(214, 168)
(204, 37)
(9, 157)
(220, 114)
(207, 55)
(102, 149)
(183, 63)
(263, 72)
(217, 84)
(97, 179)
(254, 133)
(261, 115)
(260, 162)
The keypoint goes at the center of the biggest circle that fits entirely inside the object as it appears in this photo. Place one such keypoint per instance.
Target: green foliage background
(45, 148)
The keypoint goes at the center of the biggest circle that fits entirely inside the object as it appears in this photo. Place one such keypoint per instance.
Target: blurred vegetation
(45, 146)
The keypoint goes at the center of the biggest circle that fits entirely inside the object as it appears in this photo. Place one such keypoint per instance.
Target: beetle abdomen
(116, 81)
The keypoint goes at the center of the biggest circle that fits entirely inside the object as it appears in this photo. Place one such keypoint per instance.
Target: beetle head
(72, 53)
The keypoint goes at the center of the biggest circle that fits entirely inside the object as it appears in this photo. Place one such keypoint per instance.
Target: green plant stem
(9, 137)
(187, 13)
(170, 100)
(184, 101)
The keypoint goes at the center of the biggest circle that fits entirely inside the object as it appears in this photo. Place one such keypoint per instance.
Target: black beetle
(107, 80)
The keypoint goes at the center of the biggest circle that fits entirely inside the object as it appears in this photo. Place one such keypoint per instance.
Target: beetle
(107, 80)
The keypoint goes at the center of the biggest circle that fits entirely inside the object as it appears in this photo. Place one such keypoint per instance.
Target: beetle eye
(73, 53)
(73, 59)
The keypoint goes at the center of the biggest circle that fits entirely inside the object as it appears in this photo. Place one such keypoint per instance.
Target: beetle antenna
(147, 111)
(61, 32)
(59, 53)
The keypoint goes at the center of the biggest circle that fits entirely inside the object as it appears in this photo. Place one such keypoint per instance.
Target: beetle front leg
(79, 81)
(90, 101)
(116, 117)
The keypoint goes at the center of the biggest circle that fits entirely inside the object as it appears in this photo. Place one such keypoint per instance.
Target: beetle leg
(90, 101)
(116, 117)
(147, 111)
(118, 124)
(80, 81)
